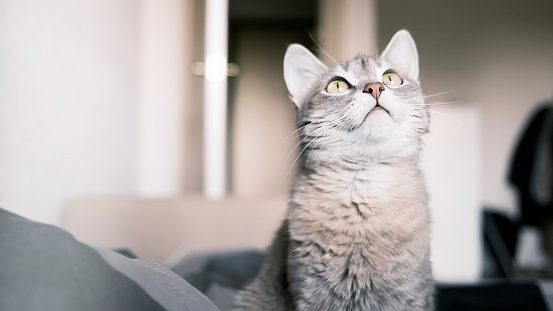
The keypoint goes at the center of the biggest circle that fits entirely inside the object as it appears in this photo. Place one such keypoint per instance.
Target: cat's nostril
(374, 89)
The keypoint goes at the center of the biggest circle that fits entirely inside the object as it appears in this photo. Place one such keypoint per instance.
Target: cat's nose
(374, 89)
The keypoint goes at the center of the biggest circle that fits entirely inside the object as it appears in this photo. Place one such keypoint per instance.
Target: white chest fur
(358, 231)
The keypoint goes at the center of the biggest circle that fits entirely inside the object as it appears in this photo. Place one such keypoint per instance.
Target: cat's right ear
(301, 70)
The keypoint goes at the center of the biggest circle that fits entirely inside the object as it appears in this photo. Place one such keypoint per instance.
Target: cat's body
(357, 232)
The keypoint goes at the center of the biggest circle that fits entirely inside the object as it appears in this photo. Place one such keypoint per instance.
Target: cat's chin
(378, 120)
(379, 129)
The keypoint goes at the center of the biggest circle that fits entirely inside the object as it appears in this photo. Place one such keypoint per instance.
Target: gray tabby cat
(357, 232)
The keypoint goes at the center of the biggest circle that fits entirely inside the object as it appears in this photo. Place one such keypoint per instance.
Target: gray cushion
(43, 267)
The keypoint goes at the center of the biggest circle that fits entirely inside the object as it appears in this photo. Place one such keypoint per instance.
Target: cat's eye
(337, 87)
(391, 79)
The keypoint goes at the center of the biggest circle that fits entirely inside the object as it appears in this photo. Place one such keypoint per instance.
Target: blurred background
(114, 99)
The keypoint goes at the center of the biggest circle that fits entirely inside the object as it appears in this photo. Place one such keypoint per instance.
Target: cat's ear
(402, 54)
(301, 70)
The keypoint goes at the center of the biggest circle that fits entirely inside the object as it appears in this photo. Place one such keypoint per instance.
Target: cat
(357, 232)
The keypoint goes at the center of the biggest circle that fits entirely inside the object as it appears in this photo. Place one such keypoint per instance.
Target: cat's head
(365, 105)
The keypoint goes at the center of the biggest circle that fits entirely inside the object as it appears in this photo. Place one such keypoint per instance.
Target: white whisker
(443, 103)
(453, 102)
(452, 118)
(291, 166)
(315, 132)
(438, 94)
(317, 144)
(287, 138)
(321, 48)
(326, 128)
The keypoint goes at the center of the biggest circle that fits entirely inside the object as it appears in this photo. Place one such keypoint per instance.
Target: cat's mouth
(377, 108)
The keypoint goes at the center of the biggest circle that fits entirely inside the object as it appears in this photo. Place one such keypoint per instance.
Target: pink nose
(374, 89)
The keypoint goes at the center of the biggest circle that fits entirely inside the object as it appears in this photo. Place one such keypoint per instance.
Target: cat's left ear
(402, 54)
(301, 70)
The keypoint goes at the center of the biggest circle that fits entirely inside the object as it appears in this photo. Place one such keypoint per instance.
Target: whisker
(453, 102)
(452, 118)
(320, 48)
(299, 143)
(443, 103)
(291, 166)
(309, 157)
(315, 132)
(328, 127)
(317, 144)
(438, 94)
(287, 138)
(375, 49)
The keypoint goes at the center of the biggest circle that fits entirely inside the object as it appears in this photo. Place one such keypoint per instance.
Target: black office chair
(531, 174)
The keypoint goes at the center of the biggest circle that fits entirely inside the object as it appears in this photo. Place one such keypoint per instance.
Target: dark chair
(531, 175)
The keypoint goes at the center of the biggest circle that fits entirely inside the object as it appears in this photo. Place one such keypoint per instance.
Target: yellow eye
(337, 87)
(391, 79)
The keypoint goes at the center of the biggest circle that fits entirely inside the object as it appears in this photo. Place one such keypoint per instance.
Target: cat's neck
(375, 197)
(375, 181)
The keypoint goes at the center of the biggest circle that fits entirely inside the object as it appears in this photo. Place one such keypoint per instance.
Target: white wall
(68, 102)
(451, 162)
(91, 100)
(165, 55)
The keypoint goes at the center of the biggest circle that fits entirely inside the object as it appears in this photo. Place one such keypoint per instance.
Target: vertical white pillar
(215, 98)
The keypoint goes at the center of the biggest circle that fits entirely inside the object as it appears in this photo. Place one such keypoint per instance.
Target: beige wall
(167, 229)
(263, 117)
(193, 110)
(496, 53)
(347, 28)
